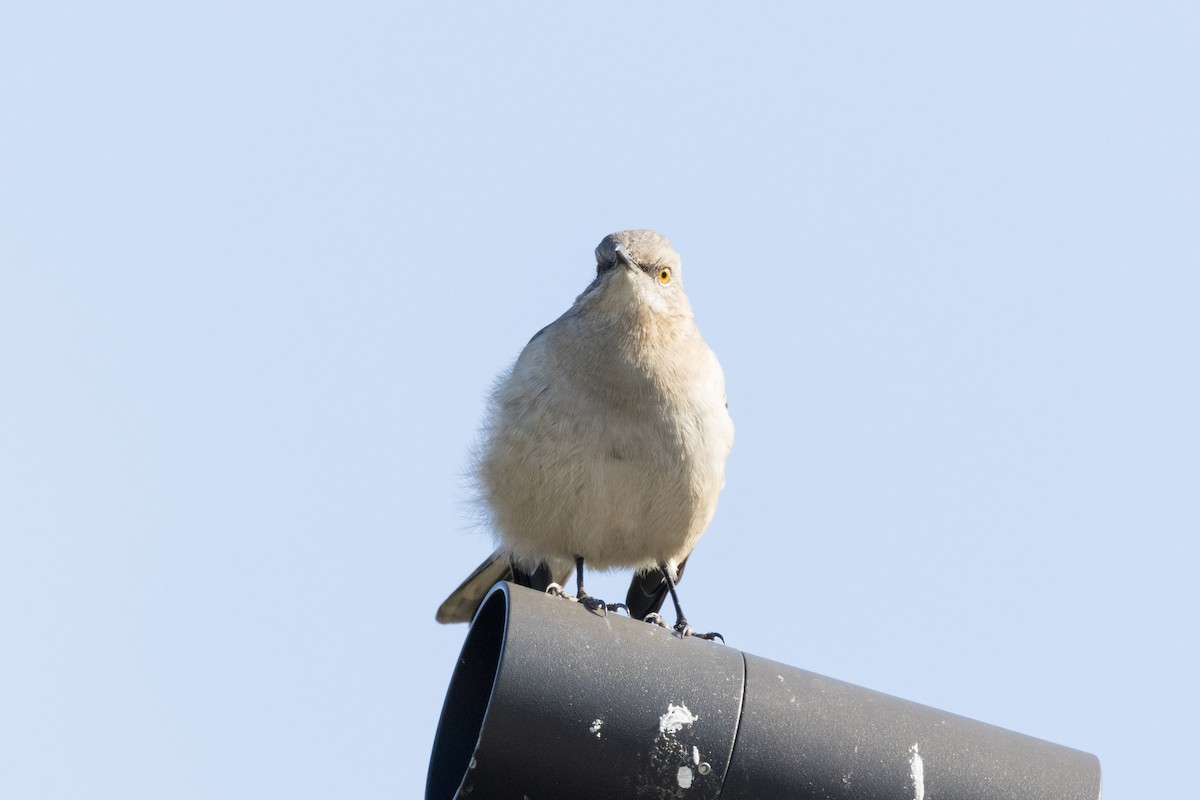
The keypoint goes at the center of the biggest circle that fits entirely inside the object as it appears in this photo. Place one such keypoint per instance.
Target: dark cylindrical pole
(549, 700)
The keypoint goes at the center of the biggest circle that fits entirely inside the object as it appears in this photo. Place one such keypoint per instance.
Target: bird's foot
(591, 603)
(655, 619)
(683, 629)
(554, 590)
(596, 604)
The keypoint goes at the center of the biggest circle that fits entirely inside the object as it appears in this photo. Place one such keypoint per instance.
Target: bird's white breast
(607, 442)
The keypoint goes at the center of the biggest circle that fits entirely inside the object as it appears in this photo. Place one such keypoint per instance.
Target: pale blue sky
(259, 264)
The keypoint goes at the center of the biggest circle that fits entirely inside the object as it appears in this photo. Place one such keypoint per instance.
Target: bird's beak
(623, 256)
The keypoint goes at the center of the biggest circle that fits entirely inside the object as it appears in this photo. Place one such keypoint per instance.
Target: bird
(606, 442)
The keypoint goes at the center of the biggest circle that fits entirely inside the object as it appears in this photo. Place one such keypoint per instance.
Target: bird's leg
(681, 624)
(591, 603)
(579, 592)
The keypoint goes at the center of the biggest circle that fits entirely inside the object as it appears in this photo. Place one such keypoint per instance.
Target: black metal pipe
(549, 700)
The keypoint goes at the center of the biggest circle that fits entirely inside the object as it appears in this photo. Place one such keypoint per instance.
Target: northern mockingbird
(606, 443)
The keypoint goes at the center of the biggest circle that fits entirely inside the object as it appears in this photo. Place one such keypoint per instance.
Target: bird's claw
(683, 630)
(592, 603)
(596, 604)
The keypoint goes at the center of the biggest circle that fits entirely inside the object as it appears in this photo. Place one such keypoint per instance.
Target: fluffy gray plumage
(609, 436)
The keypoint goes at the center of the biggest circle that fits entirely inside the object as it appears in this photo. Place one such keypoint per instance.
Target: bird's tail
(464, 601)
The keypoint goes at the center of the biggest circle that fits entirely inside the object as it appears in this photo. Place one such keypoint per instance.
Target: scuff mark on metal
(917, 765)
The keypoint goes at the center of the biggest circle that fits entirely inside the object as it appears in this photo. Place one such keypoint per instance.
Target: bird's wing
(648, 590)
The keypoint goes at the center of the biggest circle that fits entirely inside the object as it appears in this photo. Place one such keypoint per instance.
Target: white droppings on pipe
(684, 776)
(597, 724)
(676, 717)
(695, 754)
(918, 773)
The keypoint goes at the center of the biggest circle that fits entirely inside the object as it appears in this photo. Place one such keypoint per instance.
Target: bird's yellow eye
(664, 275)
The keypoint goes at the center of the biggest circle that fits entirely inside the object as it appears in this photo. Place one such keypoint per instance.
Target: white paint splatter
(676, 717)
(684, 776)
(918, 773)
(597, 724)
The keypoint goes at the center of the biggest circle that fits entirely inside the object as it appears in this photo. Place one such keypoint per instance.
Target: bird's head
(640, 267)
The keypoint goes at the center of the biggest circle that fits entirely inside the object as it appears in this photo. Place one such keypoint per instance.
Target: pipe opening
(467, 699)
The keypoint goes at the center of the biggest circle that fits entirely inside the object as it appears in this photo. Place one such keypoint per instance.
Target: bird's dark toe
(593, 603)
(683, 629)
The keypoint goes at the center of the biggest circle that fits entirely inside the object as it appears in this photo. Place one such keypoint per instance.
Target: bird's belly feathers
(622, 487)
